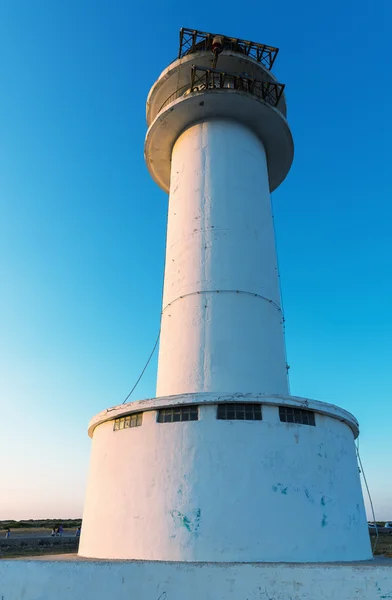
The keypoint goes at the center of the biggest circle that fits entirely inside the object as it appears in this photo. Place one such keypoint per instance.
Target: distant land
(41, 523)
(66, 523)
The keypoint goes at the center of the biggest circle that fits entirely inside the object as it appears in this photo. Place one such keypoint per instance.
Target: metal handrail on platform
(205, 79)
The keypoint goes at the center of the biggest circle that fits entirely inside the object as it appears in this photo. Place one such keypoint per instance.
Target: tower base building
(225, 478)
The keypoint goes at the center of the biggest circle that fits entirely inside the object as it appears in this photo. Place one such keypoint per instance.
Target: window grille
(241, 411)
(289, 414)
(134, 420)
(175, 414)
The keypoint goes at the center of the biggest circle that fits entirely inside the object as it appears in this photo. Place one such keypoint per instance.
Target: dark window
(178, 413)
(289, 414)
(241, 412)
(134, 420)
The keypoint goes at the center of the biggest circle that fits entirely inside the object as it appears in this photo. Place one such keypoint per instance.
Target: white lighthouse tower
(223, 465)
(224, 486)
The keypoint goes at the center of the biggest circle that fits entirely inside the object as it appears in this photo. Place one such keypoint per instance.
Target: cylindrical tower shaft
(221, 319)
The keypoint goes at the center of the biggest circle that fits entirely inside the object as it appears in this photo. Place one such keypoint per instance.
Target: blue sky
(82, 224)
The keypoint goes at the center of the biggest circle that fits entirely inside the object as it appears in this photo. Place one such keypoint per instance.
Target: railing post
(181, 39)
(280, 88)
(194, 37)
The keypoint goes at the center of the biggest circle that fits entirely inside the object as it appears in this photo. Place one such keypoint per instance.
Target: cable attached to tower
(280, 291)
(144, 368)
(369, 495)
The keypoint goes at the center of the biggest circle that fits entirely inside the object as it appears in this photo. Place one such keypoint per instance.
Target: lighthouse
(223, 465)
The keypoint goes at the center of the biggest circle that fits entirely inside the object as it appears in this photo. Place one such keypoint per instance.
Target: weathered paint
(222, 325)
(92, 580)
(222, 491)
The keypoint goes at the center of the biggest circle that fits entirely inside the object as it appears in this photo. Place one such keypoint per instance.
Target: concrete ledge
(323, 408)
(266, 121)
(68, 577)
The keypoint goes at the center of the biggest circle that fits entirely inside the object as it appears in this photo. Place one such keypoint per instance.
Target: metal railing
(204, 79)
(192, 40)
(207, 79)
(177, 94)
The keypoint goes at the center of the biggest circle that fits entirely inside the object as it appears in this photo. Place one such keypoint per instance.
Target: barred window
(134, 420)
(289, 414)
(241, 411)
(178, 413)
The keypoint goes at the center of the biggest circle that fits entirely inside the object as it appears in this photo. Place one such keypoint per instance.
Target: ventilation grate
(289, 414)
(239, 412)
(176, 414)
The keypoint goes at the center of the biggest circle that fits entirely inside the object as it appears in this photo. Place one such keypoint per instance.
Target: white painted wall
(33, 580)
(225, 491)
(220, 238)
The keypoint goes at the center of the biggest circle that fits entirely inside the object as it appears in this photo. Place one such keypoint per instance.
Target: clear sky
(82, 224)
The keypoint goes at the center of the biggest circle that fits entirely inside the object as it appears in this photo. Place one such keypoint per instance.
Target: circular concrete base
(67, 578)
(210, 489)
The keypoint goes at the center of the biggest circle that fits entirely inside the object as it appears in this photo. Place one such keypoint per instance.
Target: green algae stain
(280, 488)
(309, 496)
(191, 522)
(324, 520)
